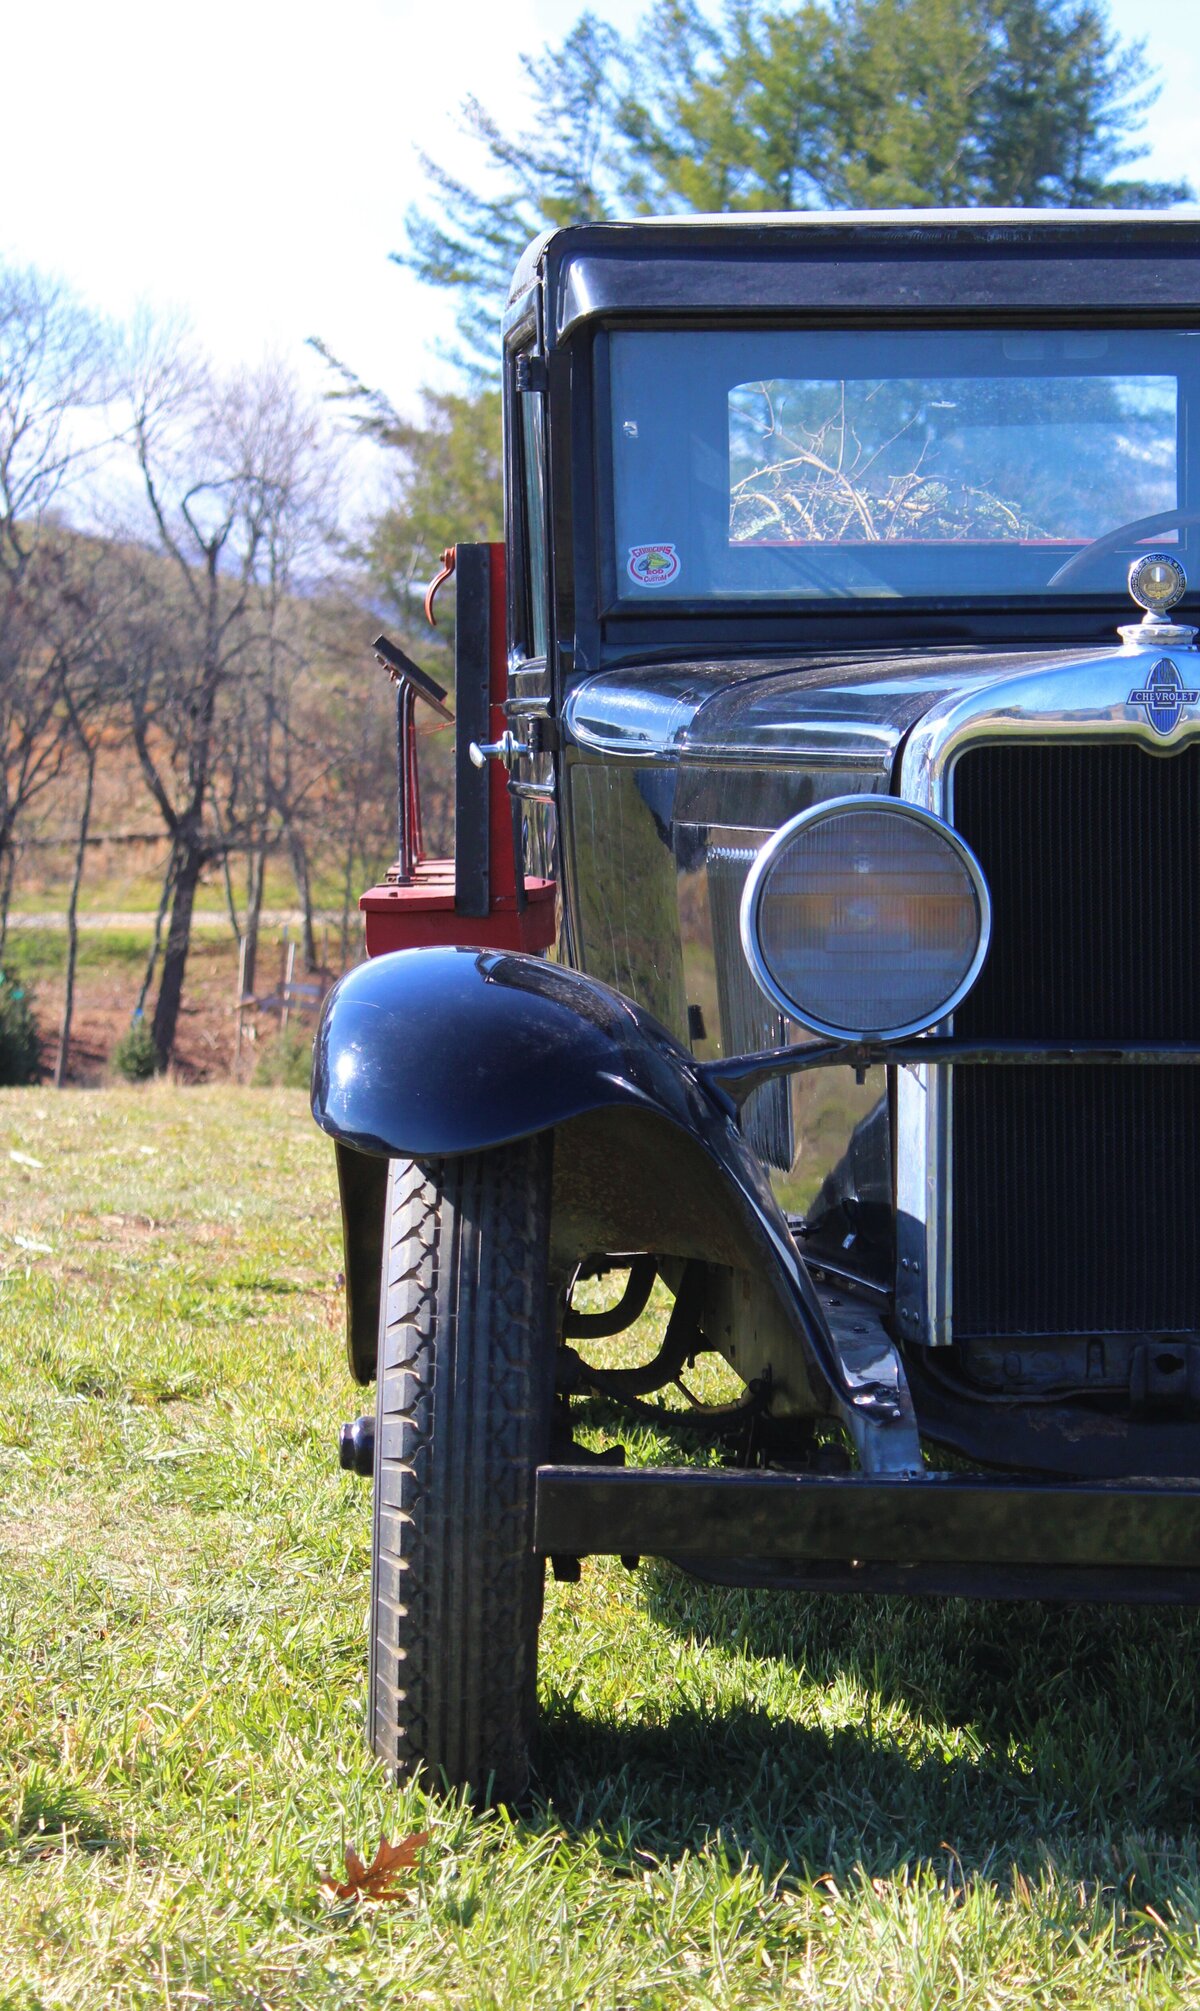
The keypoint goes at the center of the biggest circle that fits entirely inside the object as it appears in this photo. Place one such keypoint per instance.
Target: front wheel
(463, 1408)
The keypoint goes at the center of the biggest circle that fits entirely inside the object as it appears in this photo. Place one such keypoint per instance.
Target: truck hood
(846, 710)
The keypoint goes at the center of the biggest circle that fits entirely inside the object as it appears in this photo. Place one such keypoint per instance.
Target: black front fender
(430, 1053)
(425, 1053)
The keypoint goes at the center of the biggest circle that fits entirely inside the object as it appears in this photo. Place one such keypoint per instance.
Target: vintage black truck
(806, 721)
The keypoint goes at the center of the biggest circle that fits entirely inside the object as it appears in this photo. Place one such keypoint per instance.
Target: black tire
(463, 1407)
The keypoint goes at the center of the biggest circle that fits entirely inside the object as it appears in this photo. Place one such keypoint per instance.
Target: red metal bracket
(420, 911)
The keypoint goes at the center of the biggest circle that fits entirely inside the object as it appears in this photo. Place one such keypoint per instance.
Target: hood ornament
(1156, 582)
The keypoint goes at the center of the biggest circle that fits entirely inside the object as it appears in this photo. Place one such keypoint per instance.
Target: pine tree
(561, 168)
(820, 104)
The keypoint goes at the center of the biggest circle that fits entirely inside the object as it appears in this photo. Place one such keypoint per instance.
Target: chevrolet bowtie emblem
(1163, 696)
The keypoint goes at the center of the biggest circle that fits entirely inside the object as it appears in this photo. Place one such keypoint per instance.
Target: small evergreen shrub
(20, 1048)
(287, 1063)
(135, 1057)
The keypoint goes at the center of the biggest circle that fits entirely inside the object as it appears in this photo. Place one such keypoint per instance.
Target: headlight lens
(866, 918)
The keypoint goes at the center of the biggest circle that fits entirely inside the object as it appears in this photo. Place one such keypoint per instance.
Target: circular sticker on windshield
(652, 565)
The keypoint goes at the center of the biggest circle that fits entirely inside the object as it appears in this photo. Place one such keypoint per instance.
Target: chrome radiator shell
(1096, 699)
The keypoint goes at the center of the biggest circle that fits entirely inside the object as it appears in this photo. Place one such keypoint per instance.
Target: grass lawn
(742, 1799)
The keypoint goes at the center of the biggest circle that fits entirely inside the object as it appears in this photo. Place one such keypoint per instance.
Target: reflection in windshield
(949, 458)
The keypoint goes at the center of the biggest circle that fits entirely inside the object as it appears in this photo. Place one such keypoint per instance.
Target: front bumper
(1120, 1540)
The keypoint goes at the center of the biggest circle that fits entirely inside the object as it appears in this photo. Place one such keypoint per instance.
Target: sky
(249, 163)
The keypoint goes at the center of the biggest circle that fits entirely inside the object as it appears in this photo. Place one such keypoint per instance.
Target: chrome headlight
(866, 918)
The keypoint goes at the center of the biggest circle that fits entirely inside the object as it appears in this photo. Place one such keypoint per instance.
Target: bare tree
(213, 619)
(88, 749)
(233, 475)
(8, 874)
(88, 617)
(350, 807)
(55, 383)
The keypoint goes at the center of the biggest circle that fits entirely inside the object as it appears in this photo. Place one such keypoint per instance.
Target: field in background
(743, 1800)
(113, 948)
(117, 903)
(127, 879)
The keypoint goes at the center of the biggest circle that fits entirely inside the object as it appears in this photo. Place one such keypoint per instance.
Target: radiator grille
(1076, 1191)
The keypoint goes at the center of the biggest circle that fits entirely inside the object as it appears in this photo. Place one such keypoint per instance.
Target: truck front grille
(1076, 1192)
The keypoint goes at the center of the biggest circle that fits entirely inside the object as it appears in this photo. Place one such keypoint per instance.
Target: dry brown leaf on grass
(376, 1880)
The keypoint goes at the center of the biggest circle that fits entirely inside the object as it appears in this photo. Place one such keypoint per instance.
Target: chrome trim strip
(1086, 698)
(756, 884)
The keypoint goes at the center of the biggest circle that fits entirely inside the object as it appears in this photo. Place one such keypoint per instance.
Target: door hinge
(531, 373)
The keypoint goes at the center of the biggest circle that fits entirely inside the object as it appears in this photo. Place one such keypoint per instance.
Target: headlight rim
(759, 874)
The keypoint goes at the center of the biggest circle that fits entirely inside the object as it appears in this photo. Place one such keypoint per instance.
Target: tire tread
(462, 1412)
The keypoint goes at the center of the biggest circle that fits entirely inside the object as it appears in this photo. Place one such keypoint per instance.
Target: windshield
(917, 463)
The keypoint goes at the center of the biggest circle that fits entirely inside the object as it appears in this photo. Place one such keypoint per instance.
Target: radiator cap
(1156, 582)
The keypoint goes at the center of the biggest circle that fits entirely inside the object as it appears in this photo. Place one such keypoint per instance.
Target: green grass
(743, 1800)
(43, 952)
(117, 886)
(107, 889)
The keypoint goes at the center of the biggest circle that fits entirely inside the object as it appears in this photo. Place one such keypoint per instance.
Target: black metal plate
(943, 1519)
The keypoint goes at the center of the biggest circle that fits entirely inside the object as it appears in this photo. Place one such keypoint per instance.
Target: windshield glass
(917, 463)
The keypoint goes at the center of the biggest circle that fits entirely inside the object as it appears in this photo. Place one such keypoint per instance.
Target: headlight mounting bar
(737, 1078)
